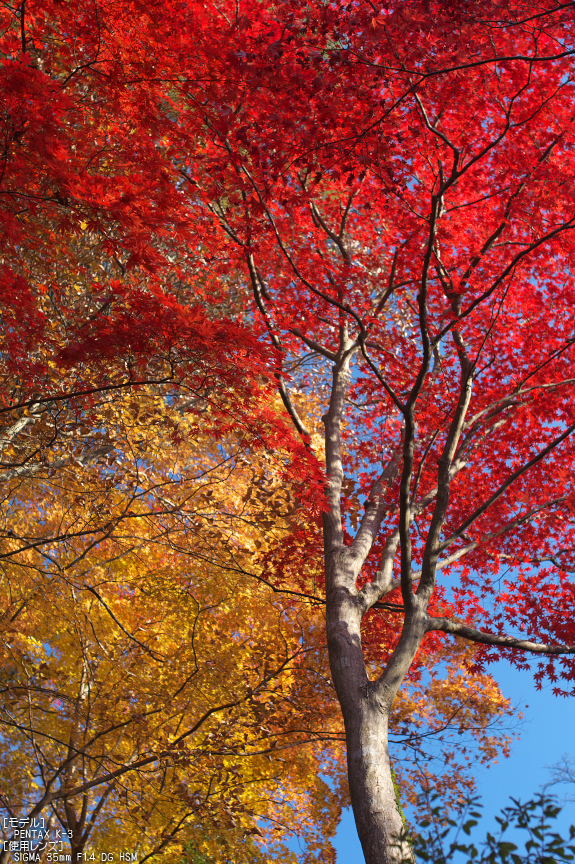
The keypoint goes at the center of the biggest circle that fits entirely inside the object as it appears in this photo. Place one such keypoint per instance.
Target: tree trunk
(366, 718)
(379, 823)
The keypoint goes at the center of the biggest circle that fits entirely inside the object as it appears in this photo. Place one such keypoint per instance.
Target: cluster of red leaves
(104, 271)
(207, 134)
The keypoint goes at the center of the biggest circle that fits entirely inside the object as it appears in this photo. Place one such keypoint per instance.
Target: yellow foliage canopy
(154, 688)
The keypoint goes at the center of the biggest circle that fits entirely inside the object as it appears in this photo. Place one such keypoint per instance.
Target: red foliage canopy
(395, 183)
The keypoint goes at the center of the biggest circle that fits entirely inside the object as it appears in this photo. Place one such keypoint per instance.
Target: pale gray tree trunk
(378, 821)
(366, 707)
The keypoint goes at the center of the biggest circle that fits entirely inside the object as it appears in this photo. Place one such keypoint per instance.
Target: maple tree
(123, 572)
(393, 183)
(139, 703)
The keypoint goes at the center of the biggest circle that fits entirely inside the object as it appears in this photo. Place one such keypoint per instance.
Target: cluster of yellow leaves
(156, 692)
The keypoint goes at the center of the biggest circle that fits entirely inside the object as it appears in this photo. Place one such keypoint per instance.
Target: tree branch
(504, 486)
(456, 628)
(285, 397)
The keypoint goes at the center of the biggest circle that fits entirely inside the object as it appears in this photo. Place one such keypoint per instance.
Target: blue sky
(548, 732)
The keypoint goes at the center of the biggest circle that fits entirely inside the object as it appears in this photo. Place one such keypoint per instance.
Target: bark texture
(379, 824)
(366, 708)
